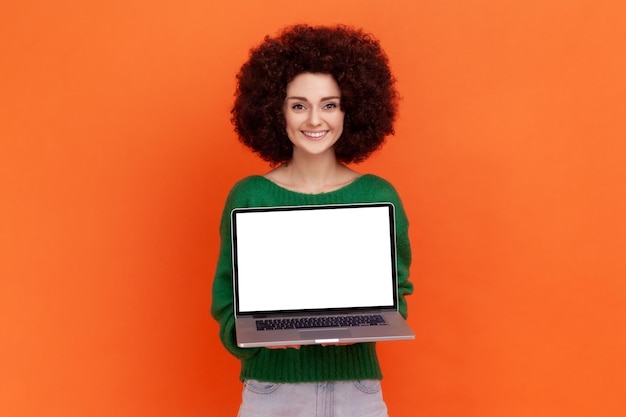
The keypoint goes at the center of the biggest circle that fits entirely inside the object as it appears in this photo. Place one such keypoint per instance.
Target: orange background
(116, 154)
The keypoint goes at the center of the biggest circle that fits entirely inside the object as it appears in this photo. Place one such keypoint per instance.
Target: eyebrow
(305, 99)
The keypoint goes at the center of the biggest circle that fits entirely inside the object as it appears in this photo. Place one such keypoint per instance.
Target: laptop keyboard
(320, 321)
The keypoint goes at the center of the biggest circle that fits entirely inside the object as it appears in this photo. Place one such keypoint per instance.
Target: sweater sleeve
(379, 189)
(222, 304)
(405, 287)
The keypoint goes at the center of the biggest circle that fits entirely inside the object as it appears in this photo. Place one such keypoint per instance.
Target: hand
(284, 347)
(337, 344)
(298, 346)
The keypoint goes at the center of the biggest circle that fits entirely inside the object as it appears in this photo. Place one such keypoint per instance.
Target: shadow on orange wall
(117, 153)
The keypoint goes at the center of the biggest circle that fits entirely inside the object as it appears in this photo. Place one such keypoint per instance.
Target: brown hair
(353, 58)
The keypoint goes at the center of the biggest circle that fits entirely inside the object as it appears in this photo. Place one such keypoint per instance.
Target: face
(313, 114)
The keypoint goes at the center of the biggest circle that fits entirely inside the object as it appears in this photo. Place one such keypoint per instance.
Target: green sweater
(312, 363)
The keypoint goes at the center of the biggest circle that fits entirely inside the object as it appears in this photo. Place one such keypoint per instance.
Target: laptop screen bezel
(269, 313)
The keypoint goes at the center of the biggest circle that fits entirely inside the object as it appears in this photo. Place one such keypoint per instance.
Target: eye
(330, 106)
(298, 107)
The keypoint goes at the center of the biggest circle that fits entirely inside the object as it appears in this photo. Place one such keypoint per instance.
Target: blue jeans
(324, 399)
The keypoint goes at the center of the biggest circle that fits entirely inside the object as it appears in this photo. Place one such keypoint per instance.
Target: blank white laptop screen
(314, 259)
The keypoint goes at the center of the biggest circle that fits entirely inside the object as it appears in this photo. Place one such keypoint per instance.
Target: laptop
(319, 274)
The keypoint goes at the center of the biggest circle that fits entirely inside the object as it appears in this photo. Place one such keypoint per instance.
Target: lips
(315, 135)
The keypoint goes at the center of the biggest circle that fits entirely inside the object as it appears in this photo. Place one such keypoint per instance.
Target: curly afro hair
(353, 58)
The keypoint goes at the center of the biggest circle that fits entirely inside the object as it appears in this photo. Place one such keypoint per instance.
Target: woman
(309, 101)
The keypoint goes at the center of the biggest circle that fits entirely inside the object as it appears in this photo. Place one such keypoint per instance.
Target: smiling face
(313, 115)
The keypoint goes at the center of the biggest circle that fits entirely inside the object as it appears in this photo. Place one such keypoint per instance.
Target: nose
(315, 118)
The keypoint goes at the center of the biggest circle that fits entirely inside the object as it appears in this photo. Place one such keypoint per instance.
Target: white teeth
(314, 134)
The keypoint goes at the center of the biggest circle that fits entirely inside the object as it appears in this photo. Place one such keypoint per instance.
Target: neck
(314, 168)
(313, 175)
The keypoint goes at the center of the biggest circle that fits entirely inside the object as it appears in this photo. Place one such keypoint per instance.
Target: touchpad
(325, 334)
